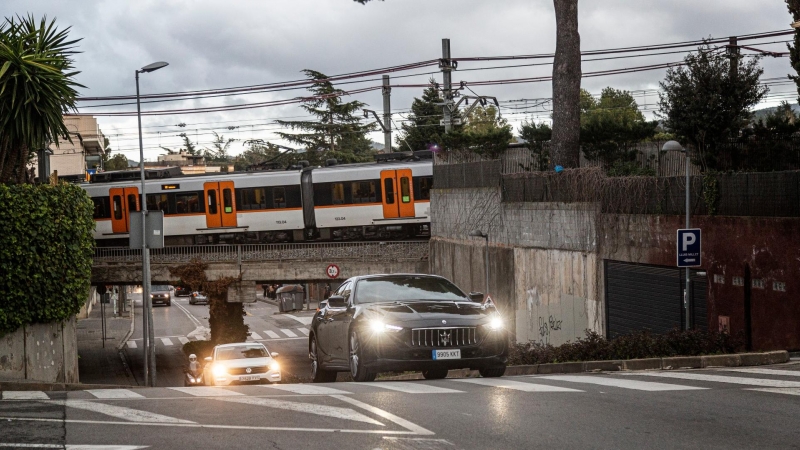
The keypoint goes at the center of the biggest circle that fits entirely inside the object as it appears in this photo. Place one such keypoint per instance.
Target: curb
(38, 386)
(675, 362)
(128, 335)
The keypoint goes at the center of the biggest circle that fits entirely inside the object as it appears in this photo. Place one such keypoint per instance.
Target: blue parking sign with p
(688, 247)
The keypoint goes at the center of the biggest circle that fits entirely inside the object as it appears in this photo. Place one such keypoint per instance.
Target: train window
(322, 194)
(212, 201)
(364, 192)
(337, 190)
(133, 202)
(388, 189)
(187, 202)
(101, 209)
(293, 197)
(405, 190)
(117, 207)
(255, 198)
(158, 202)
(227, 200)
(423, 188)
(279, 197)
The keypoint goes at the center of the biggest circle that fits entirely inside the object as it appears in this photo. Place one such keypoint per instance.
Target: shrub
(630, 346)
(199, 348)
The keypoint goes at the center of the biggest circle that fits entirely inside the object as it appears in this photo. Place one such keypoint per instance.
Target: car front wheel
(357, 366)
(492, 372)
(434, 374)
(319, 375)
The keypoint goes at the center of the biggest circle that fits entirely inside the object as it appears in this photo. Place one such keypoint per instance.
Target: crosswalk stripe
(183, 340)
(304, 331)
(255, 336)
(132, 344)
(113, 393)
(307, 389)
(307, 408)
(289, 333)
(131, 415)
(620, 383)
(516, 385)
(166, 341)
(787, 391)
(206, 391)
(413, 388)
(722, 379)
(24, 395)
(272, 334)
(788, 373)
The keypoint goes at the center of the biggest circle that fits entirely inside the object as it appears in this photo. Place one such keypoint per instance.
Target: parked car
(249, 362)
(160, 294)
(182, 291)
(402, 322)
(198, 297)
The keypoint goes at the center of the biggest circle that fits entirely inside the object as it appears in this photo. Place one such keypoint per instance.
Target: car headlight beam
(378, 326)
(219, 370)
(274, 366)
(496, 323)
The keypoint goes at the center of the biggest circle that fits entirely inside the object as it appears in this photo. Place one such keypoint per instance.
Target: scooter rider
(194, 366)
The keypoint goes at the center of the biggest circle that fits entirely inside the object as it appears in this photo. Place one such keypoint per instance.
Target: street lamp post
(148, 334)
(674, 146)
(481, 234)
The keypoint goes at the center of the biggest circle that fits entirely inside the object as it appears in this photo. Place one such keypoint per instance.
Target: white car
(242, 362)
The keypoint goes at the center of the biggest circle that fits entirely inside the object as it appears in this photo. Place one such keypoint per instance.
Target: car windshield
(158, 287)
(406, 288)
(241, 352)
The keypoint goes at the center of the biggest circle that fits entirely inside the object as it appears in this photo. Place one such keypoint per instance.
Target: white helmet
(192, 357)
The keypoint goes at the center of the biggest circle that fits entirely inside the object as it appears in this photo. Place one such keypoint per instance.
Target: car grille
(443, 337)
(243, 370)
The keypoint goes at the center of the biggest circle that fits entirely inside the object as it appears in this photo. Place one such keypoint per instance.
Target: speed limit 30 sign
(332, 271)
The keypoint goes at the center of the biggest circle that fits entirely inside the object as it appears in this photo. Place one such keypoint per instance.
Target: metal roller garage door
(641, 297)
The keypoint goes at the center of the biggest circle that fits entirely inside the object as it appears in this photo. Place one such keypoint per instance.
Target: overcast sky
(219, 44)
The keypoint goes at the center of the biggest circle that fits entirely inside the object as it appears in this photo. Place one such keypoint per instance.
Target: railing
(323, 251)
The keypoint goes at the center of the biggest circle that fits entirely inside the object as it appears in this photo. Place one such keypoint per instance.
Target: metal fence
(323, 251)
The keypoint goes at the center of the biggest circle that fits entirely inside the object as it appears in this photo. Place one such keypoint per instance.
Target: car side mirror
(476, 296)
(337, 301)
(207, 359)
(275, 354)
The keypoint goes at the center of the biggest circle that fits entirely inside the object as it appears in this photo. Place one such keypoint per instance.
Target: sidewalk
(104, 365)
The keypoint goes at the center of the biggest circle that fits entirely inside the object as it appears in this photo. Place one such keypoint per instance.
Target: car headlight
(274, 366)
(219, 370)
(378, 326)
(496, 323)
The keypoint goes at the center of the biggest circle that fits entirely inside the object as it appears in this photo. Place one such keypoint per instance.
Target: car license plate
(249, 378)
(446, 354)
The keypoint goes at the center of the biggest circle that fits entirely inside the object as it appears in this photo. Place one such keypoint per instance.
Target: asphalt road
(712, 408)
(182, 322)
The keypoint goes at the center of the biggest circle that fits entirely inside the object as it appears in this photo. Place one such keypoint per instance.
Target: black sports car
(381, 323)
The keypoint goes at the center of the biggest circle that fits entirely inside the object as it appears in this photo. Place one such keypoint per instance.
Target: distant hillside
(762, 113)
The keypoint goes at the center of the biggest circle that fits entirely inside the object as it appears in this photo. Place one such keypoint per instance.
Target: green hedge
(46, 250)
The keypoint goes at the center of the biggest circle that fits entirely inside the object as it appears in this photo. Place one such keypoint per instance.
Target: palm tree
(36, 89)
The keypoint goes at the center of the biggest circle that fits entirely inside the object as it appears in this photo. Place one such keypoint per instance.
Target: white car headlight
(378, 326)
(219, 370)
(274, 366)
(496, 323)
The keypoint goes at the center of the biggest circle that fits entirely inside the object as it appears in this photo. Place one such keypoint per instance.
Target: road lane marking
(113, 393)
(412, 388)
(131, 415)
(205, 391)
(785, 391)
(305, 320)
(516, 385)
(74, 447)
(272, 334)
(303, 330)
(289, 333)
(307, 408)
(620, 383)
(255, 336)
(419, 443)
(722, 379)
(166, 341)
(191, 316)
(24, 395)
(132, 344)
(183, 340)
(410, 426)
(789, 373)
(306, 389)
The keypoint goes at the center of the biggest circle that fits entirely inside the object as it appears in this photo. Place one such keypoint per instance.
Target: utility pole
(387, 115)
(446, 66)
(733, 55)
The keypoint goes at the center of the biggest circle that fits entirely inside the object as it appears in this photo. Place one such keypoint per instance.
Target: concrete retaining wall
(41, 352)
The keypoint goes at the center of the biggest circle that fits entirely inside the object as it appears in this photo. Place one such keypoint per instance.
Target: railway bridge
(255, 263)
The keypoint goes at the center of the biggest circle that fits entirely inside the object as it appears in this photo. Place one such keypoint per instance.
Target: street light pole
(148, 333)
(676, 146)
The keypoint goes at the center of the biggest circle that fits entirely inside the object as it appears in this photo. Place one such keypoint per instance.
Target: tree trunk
(565, 143)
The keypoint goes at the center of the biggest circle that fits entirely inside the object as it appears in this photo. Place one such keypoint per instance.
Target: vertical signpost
(688, 255)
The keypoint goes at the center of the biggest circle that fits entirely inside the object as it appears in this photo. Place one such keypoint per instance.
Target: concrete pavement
(98, 361)
(706, 408)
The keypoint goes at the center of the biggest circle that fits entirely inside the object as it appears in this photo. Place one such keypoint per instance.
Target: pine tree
(422, 129)
(337, 132)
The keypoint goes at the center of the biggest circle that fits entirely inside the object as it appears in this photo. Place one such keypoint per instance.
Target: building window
(719, 279)
(779, 286)
(758, 284)
(737, 281)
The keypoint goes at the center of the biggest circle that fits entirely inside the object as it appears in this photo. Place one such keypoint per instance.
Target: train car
(387, 199)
